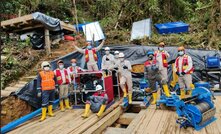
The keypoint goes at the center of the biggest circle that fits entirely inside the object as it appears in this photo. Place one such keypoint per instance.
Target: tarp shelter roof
(32, 21)
(136, 55)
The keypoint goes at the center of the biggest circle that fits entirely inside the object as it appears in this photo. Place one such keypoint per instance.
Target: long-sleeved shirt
(90, 53)
(107, 64)
(159, 58)
(180, 64)
(151, 70)
(39, 81)
(122, 71)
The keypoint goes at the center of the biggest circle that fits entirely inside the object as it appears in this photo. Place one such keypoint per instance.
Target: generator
(197, 111)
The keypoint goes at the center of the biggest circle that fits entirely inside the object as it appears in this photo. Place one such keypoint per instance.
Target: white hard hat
(44, 63)
(116, 52)
(121, 55)
(98, 87)
(107, 49)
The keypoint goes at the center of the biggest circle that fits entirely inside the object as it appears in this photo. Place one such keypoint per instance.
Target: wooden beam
(17, 20)
(113, 130)
(47, 42)
(67, 26)
(108, 120)
(126, 118)
(29, 27)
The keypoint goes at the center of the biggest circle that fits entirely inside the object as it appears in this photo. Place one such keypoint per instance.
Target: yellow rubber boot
(50, 113)
(154, 98)
(125, 92)
(102, 108)
(175, 77)
(130, 98)
(182, 94)
(66, 101)
(43, 115)
(166, 90)
(86, 111)
(62, 105)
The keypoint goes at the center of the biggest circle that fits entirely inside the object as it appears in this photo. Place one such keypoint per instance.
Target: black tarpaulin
(136, 55)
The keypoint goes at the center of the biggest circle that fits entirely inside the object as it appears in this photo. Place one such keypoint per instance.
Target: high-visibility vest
(59, 76)
(164, 57)
(71, 70)
(148, 63)
(102, 94)
(87, 55)
(47, 80)
(185, 64)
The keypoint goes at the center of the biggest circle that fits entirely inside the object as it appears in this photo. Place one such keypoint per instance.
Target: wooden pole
(76, 18)
(47, 42)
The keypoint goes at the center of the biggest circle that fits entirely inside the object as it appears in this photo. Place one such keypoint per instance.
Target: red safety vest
(59, 77)
(164, 57)
(102, 94)
(148, 63)
(78, 70)
(185, 64)
(87, 55)
(47, 80)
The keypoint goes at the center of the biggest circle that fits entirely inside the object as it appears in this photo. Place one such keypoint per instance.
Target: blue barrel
(213, 62)
(143, 84)
(202, 84)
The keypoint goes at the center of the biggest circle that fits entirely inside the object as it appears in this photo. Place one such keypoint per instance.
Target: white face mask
(180, 53)
(121, 59)
(161, 48)
(46, 68)
(61, 66)
(107, 52)
(116, 56)
(73, 64)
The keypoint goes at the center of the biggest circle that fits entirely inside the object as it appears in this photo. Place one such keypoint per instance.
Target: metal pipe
(23, 119)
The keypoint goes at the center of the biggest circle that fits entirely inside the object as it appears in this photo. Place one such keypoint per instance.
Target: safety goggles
(46, 66)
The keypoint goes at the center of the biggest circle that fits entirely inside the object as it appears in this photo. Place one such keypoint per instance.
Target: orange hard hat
(88, 43)
(73, 60)
(181, 48)
(60, 61)
(162, 44)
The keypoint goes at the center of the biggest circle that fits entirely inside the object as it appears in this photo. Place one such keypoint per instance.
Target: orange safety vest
(148, 63)
(47, 80)
(87, 55)
(164, 57)
(59, 77)
(185, 64)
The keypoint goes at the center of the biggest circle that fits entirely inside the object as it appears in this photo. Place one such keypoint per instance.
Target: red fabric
(59, 77)
(78, 78)
(97, 94)
(185, 62)
(164, 58)
(108, 84)
(87, 55)
(147, 63)
(68, 37)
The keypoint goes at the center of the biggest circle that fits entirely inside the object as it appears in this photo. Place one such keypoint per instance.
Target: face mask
(121, 59)
(107, 52)
(150, 57)
(73, 64)
(116, 56)
(61, 66)
(161, 48)
(89, 47)
(46, 68)
(181, 53)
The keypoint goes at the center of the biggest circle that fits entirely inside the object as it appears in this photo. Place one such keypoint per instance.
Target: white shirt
(107, 64)
(125, 72)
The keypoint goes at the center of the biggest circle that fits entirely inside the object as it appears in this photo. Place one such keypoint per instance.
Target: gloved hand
(125, 67)
(107, 59)
(183, 73)
(154, 67)
(178, 73)
(39, 94)
(116, 68)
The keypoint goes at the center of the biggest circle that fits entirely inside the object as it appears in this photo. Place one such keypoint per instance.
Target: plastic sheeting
(135, 54)
(141, 29)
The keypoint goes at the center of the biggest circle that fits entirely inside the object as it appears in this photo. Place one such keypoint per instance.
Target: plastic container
(213, 62)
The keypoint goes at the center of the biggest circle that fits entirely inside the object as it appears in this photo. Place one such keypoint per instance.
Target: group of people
(65, 79)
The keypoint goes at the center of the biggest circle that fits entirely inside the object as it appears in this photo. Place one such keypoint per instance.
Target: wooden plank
(163, 121)
(47, 42)
(30, 77)
(16, 20)
(5, 93)
(67, 26)
(113, 130)
(29, 27)
(105, 122)
(22, 82)
(12, 89)
(126, 118)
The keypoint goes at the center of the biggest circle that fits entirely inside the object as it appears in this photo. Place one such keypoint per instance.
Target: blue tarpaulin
(172, 27)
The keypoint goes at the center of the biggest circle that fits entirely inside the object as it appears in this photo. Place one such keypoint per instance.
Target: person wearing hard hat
(152, 74)
(116, 58)
(161, 56)
(124, 68)
(90, 55)
(46, 81)
(96, 103)
(107, 61)
(184, 69)
(73, 71)
(63, 82)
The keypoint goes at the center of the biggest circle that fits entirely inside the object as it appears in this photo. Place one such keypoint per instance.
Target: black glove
(178, 73)
(107, 59)
(154, 67)
(116, 68)
(125, 67)
(183, 73)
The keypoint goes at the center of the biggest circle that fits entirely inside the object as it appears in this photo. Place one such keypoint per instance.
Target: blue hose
(23, 119)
